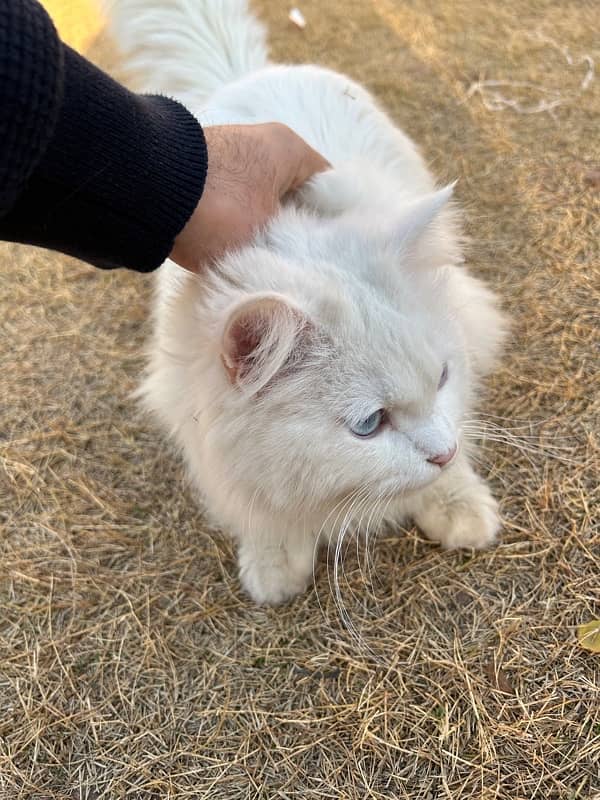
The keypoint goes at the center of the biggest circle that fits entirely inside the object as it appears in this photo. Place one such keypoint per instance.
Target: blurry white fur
(352, 301)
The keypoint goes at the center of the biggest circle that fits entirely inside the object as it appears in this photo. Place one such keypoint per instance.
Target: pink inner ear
(258, 338)
(243, 337)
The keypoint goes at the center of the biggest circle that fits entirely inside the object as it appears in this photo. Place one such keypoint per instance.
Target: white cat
(316, 381)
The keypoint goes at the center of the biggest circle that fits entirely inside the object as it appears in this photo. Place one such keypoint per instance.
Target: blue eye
(368, 426)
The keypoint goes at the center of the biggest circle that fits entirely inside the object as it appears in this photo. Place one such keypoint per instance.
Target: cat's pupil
(368, 426)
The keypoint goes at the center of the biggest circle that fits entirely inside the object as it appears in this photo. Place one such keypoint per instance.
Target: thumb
(310, 164)
(298, 161)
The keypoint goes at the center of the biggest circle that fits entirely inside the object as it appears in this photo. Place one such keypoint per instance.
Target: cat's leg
(457, 510)
(275, 561)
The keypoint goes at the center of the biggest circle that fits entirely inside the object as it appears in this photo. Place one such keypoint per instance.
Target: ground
(132, 665)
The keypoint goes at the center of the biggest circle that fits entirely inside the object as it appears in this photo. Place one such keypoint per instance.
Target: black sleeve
(87, 167)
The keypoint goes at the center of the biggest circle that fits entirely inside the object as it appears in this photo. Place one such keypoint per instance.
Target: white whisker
(528, 444)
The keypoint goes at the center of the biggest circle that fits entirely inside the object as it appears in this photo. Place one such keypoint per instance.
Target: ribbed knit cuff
(121, 176)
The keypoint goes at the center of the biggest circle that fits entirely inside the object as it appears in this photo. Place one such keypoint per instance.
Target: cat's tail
(183, 47)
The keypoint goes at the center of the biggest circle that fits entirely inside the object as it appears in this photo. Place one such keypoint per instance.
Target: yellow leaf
(588, 635)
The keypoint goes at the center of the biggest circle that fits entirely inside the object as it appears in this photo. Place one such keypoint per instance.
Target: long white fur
(368, 262)
(184, 48)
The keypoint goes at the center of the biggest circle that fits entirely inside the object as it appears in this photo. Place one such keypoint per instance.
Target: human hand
(250, 169)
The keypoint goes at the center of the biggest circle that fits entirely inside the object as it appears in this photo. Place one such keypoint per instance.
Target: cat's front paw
(471, 520)
(270, 578)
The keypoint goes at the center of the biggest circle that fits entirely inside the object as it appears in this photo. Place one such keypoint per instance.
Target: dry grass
(131, 663)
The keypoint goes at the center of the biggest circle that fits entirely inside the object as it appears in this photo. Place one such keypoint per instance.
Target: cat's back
(333, 113)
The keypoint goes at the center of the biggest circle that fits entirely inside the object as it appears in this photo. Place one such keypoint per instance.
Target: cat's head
(349, 373)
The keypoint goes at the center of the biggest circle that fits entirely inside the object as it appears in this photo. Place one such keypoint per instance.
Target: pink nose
(443, 458)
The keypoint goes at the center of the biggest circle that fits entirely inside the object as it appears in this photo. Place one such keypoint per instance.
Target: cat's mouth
(400, 489)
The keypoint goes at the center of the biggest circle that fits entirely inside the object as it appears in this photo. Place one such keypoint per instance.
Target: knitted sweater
(87, 167)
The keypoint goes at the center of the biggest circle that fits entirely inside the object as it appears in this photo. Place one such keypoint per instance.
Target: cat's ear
(262, 334)
(419, 216)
